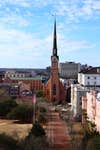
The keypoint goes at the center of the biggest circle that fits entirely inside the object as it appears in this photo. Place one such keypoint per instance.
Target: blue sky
(26, 32)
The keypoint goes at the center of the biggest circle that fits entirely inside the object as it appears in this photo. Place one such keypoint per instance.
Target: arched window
(54, 89)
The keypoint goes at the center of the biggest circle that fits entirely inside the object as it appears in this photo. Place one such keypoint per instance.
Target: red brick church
(54, 89)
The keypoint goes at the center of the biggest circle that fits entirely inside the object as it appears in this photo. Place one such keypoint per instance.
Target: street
(57, 131)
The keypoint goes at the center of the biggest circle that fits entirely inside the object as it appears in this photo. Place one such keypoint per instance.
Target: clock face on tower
(54, 51)
(54, 62)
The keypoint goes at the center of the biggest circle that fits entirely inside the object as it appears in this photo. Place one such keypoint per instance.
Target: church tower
(54, 76)
(54, 89)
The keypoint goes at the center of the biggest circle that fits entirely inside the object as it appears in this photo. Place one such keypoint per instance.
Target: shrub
(42, 109)
(6, 106)
(57, 102)
(22, 113)
(41, 118)
(35, 143)
(39, 94)
(5, 98)
(37, 130)
(94, 143)
(7, 142)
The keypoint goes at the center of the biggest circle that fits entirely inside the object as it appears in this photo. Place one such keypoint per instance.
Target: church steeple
(55, 40)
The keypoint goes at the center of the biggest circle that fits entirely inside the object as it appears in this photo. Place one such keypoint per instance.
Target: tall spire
(55, 40)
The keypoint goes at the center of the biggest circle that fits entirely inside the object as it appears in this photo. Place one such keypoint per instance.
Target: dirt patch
(18, 131)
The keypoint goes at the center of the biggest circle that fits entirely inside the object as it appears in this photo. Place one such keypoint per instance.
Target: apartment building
(69, 70)
(90, 78)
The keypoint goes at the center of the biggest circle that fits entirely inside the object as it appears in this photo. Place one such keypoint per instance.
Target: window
(88, 83)
(12, 75)
(80, 102)
(94, 77)
(54, 89)
(88, 77)
(54, 64)
(47, 92)
(22, 75)
(17, 75)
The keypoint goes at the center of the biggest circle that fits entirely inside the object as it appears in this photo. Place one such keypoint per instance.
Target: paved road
(57, 131)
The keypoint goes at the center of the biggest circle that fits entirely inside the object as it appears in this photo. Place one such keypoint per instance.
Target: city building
(9, 89)
(46, 81)
(91, 103)
(17, 74)
(2, 75)
(35, 83)
(4, 89)
(69, 70)
(14, 90)
(53, 88)
(67, 85)
(77, 91)
(90, 78)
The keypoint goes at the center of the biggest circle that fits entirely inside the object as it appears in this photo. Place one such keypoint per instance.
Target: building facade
(77, 92)
(17, 74)
(91, 103)
(54, 89)
(90, 77)
(69, 70)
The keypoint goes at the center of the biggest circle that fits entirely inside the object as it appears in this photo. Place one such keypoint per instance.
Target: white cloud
(22, 49)
(23, 3)
(73, 10)
(96, 5)
(16, 42)
(15, 20)
(72, 45)
(77, 9)
(27, 3)
(20, 44)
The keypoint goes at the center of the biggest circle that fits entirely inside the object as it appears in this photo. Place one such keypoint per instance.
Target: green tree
(35, 143)
(7, 143)
(93, 143)
(37, 130)
(41, 119)
(22, 113)
(6, 106)
(39, 93)
(42, 109)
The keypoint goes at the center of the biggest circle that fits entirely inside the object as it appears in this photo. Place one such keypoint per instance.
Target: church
(54, 89)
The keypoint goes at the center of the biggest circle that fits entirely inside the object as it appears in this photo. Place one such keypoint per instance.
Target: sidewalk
(57, 131)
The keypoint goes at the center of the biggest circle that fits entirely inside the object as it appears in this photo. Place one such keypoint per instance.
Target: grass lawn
(18, 131)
